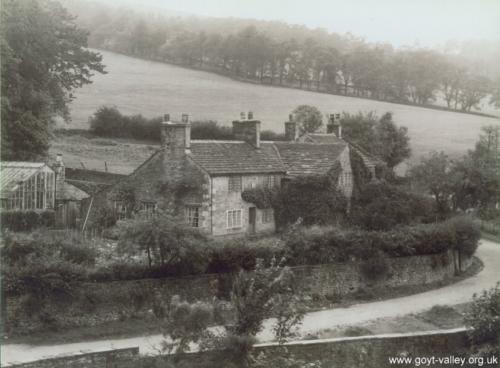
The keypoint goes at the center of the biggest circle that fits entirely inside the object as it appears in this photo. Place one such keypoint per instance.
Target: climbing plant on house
(316, 199)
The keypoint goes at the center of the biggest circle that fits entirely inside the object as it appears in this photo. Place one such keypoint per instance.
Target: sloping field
(152, 89)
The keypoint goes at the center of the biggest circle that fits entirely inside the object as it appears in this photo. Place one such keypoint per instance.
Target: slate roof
(70, 192)
(11, 173)
(309, 158)
(368, 159)
(321, 138)
(236, 157)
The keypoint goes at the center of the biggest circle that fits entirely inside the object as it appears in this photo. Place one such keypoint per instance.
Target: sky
(425, 23)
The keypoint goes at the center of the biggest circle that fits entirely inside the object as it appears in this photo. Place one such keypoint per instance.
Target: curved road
(457, 293)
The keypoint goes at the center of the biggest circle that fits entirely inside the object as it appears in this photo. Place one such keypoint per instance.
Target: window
(120, 210)
(149, 208)
(40, 191)
(234, 219)
(234, 184)
(193, 216)
(267, 216)
(270, 181)
(49, 203)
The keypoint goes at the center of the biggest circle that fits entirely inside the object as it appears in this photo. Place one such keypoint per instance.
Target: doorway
(252, 214)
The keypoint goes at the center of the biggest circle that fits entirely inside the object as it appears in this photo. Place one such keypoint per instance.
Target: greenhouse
(27, 186)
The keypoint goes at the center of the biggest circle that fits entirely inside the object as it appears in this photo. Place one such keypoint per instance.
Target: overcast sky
(400, 22)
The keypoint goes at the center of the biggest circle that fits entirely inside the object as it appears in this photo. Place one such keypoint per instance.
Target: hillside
(143, 87)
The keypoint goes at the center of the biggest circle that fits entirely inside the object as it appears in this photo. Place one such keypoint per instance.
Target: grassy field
(142, 87)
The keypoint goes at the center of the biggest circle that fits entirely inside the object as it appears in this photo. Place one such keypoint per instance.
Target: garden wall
(100, 302)
(105, 359)
(354, 352)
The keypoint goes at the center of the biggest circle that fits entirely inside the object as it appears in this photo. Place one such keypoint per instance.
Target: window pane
(193, 216)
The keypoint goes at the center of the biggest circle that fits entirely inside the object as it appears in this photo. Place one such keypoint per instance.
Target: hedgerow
(26, 220)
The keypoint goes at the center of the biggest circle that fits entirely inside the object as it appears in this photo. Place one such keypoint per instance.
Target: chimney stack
(176, 136)
(247, 130)
(334, 126)
(291, 129)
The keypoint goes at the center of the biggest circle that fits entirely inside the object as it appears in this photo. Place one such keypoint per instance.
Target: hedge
(31, 255)
(327, 245)
(26, 220)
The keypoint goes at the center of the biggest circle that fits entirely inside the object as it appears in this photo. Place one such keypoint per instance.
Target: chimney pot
(185, 118)
(166, 117)
(248, 131)
(242, 116)
(250, 115)
(290, 117)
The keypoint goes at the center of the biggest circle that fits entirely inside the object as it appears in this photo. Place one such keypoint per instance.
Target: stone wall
(101, 302)
(224, 200)
(350, 352)
(372, 352)
(105, 359)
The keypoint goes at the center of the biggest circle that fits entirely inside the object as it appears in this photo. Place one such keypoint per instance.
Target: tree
(478, 173)
(308, 117)
(495, 96)
(474, 89)
(379, 136)
(255, 296)
(433, 174)
(44, 58)
(164, 240)
(393, 142)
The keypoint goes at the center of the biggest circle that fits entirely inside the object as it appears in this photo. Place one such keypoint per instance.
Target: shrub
(467, 234)
(44, 261)
(236, 254)
(484, 319)
(26, 220)
(110, 122)
(315, 199)
(317, 245)
(381, 206)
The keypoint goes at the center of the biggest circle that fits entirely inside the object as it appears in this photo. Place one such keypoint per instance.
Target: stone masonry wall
(102, 302)
(224, 200)
(105, 359)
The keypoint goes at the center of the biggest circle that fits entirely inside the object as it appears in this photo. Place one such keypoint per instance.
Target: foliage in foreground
(483, 319)
(255, 296)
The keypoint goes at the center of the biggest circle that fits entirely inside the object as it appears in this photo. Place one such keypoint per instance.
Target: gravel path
(457, 293)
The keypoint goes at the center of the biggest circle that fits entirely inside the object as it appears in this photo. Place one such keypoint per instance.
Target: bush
(381, 206)
(44, 261)
(236, 254)
(26, 220)
(315, 199)
(109, 122)
(318, 245)
(483, 318)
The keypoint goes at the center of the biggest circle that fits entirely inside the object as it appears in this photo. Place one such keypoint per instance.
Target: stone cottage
(203, 180)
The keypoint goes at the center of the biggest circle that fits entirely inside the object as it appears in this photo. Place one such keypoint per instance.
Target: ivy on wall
(314, 198)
